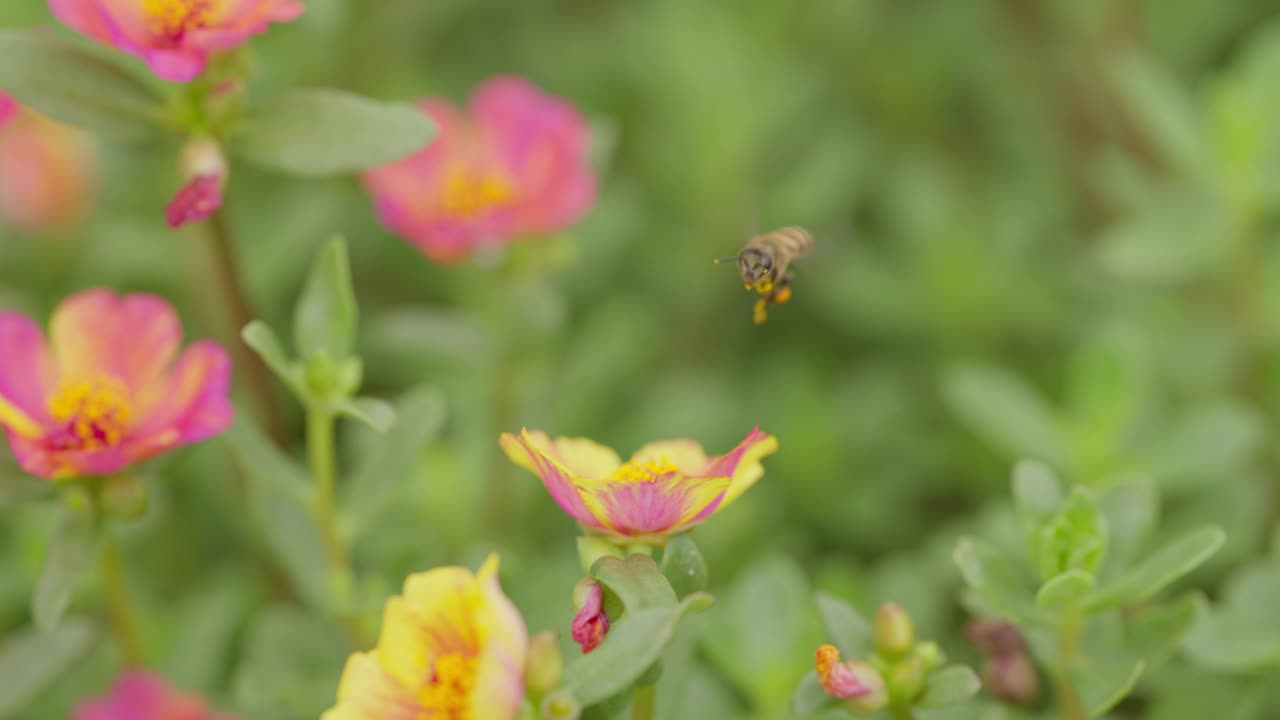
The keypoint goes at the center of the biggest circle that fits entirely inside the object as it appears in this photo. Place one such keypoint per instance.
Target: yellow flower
(452, 648)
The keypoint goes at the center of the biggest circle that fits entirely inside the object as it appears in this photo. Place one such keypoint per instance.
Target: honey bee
(763, 265)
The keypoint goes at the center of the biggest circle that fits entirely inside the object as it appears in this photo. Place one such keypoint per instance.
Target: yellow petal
(685, 454)
(368, 692)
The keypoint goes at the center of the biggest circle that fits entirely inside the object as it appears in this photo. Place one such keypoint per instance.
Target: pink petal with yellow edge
(668, 504)
(85, 16)
(133, 337)
(27, 375)
(558, 479)
(368, 692)
(685, 454)
(743, 462)
(191, 404)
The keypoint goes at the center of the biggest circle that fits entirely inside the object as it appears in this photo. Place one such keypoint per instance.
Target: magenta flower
(8, 108)
(141, 695)
(666, 488)
(174, 37)
(195, 201)
(48, 174)
(105, 391)
(514, 165)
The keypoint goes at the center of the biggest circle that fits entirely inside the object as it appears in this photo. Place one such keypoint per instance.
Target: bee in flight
(763, 265)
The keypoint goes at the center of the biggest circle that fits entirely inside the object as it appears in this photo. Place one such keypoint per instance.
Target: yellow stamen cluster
(648, 471)
(174, 17)
(467, 193)
(447, 696)
(96, 410)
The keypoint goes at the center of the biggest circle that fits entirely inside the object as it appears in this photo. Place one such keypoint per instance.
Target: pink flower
(105, 391)
(47, 172)
(174, 37)
(195, 201)
(666, 488)
(591, 623)
(8, 108)
(141, 695)
(514, 165)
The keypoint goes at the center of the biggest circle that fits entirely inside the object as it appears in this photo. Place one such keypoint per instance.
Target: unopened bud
(855, 683)
(930, 654)
(906, 681)
(894, 633)
(560, 705)
(544, 668)
(592, 548)
(591, 624)
(1012, 677)
(202, 157)
(995, 637)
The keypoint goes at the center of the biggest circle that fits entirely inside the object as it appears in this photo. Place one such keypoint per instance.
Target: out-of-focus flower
(1008, 673)
(47, 171)
(545, 668)
(195, 201)
(8, 108)
(857, 683)
(452, 646)
(140, 695)
(591, 623)
(105, 390)
(174, 37)
(667, 487)
(513, 165)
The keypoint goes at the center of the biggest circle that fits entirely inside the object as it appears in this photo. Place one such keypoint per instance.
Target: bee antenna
(725, 259)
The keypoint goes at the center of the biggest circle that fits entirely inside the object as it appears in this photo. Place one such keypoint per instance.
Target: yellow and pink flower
(140, 695)
(667, 487)
(513, 165)
(452, 647)
(48, 173)
(104, 391)
(174, 37)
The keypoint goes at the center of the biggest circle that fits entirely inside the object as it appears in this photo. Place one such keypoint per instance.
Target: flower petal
(27, 375)
(368, 692)
(686, 454)
(532, 452)
(85, 16)
(430, 619)
(743, 462)
(131, 337)
(499, 682)
(35, 457)
(193, 403)
(666, 505)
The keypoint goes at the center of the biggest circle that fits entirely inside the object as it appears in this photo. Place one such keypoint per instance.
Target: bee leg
(761, 312)
(783, 291)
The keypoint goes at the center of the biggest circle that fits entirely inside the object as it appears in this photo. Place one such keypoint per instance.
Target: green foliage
(73, 548)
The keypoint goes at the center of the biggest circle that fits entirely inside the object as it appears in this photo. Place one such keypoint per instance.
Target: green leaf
(327, 132)
(1074, 539)
(31, 660)
(1005, 411)
(263, 340)
(287, 665)
(1156, 572)
(950, 685)
(1240, 634)
(1165, 111)
(1066, 590)
(1037, 493)
(1155, 633)
(1106, 395)
(684, 566)
(809, 697)
(71, 554)
(77, 86)
(324, 320)
(632, 645)
(1103, 683)
(1129, 510)
(636, 580)
(995, 580)
(377, 414)
(392, 456)
(845, 626)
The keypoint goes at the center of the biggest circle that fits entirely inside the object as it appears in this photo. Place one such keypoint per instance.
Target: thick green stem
(321, 457)
(1064, 689)
(236, 301)
(901, 712)
(644, 702)
(122, 623)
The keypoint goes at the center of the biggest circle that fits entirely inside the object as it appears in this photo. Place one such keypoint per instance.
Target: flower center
(172, 18)
(447, 695)
(468, 193)
(94, 413)
(648, 471)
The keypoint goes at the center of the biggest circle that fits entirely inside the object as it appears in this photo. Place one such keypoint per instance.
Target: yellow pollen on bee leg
(447, 695)
(96, 411)
(648, 471)
(782, 295)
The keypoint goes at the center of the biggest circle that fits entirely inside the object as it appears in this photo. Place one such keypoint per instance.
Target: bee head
(755, 266)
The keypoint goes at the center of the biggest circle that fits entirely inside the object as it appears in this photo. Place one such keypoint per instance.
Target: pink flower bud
(859, 685)
(591, 623)
(195, 201)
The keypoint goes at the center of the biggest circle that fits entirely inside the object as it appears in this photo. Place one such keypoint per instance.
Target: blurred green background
(1044, 229)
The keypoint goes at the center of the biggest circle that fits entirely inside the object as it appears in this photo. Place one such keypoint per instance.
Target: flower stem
(122, 622)
(1064, 689)
(236, 301)
(321, 458)
(901, 712)
(643, 702)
